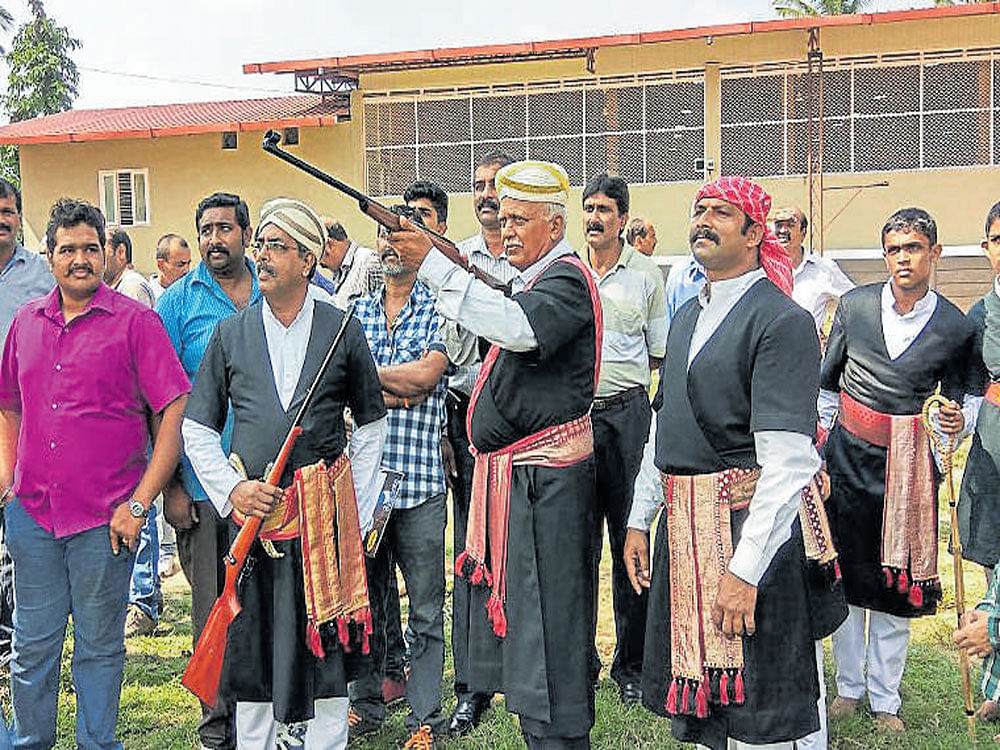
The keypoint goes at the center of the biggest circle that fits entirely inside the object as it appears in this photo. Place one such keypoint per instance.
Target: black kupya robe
(757, 372)
(542, 665)
(267, 658)
(857, 363)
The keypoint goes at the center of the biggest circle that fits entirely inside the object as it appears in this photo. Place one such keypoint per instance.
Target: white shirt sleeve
(970, 410)
(647, 496)
(828, 404)
(486, 312)
(788, 463)
(365, 452)
(203, 447)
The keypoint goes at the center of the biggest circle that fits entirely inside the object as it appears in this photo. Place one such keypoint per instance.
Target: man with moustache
(890, 347)
(818, 281)
(635, 337)
(191, 308)
(484, 250)
(729, 643)
(118, 271)
(528, 550)
(88, 378)
(173, 261)
(284, 656)
(641, 235)
(401, 326)
(23, 276)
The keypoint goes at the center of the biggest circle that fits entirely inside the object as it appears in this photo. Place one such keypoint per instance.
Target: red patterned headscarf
(754, 201)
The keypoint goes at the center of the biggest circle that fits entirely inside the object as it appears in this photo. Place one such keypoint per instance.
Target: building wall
(185, 168)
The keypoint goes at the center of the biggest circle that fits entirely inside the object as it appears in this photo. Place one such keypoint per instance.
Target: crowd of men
(784, 444)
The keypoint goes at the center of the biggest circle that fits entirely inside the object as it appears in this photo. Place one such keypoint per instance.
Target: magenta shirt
(83, 391)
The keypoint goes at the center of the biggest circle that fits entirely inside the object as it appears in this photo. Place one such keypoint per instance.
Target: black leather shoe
(630, 693)
(468, 713)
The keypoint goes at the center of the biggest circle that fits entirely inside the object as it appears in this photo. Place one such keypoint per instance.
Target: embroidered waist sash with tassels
(707, 668)
(909, 522)
(489, 509)
(320, 509)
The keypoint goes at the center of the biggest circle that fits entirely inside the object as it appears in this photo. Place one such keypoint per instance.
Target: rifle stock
(376, 210)
(204, 670)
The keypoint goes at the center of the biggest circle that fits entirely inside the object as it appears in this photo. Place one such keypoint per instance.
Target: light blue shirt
(683, 283)
(191, 308)
(25, 277)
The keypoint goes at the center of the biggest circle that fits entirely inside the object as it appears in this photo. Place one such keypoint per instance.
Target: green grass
(158, 713)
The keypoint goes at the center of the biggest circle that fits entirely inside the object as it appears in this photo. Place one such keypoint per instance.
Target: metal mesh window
(644, 132)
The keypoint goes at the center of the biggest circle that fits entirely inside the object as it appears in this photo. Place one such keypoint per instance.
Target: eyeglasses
(272, 246)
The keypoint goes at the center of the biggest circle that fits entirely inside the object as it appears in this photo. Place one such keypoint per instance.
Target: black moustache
(487, 203)
(595, 228)
(265, 267)
(707, 234)
(74, 269)
(4, 226)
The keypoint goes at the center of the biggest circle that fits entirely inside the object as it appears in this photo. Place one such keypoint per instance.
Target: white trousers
(818, 739)
(256, 728)
(737, 745)
(885, 656)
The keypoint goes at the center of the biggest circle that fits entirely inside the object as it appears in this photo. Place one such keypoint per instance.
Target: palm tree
(6, 19)
(802, 8)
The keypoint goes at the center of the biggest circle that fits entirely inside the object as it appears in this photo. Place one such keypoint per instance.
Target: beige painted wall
(186, 168)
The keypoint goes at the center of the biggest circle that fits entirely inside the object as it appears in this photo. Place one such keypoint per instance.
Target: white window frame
(116, 217)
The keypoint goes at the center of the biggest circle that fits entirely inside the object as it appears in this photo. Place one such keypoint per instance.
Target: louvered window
(125, 196)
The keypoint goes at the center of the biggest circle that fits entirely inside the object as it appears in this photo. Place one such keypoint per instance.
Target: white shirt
(286, 348)
(788, 460)
(817, 282)
(484, 311)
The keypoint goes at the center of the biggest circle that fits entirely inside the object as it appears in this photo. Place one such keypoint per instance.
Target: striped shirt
(991, 664)
(461, 344)
(635, 321)
(413, 437)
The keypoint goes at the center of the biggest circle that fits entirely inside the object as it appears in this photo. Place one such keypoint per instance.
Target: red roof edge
(487, 53)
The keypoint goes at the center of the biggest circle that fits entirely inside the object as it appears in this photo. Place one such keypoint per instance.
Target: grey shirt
(24, 278)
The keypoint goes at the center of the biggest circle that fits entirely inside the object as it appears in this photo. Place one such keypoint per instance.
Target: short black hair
(224, 200)
(70, 212)
(120, 237)
(614, 187)
(336, 231)
(7, 190)
(432, 192)
(636, 229)
(495, 157)
(166, 240)
(991, 217)
(913, 219)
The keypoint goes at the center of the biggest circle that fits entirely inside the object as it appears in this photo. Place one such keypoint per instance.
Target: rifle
(205, 667)
(376, 210)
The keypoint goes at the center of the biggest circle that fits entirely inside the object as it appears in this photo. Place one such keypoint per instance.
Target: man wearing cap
(730, 627)
(284, 662)
(818, 281)
(533, 499)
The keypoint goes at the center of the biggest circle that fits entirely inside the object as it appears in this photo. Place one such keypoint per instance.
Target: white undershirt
(286, 347)
(788, 460)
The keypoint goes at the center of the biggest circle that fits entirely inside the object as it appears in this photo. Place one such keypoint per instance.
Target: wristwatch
(137, 509)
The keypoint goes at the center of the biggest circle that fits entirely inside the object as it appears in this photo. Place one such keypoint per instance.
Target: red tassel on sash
(314, 641)
(916, 597)
(701, 698)
(724, 688)
(672, 698)
(888, 578)
(460, 563)
(494, 608)
(903, 582)
(739, 694)
(685, 696)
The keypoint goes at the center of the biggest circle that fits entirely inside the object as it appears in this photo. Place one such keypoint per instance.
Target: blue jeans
(144, 589)
(54, 578)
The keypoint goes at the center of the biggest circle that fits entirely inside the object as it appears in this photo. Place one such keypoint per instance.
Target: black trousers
(201, 550)
(461, 492)
(620, 432)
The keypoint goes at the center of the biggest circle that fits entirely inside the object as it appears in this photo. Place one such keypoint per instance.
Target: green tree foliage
(802, 8)
(43, 78)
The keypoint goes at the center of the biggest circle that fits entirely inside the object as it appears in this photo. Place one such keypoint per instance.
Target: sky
(136, 53)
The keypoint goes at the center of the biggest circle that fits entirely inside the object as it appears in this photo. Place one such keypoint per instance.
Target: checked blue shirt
(413, 439)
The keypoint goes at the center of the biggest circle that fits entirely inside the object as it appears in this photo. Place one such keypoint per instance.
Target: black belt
(618, 398)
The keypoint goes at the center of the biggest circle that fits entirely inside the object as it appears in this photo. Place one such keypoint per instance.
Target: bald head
(173, 258)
